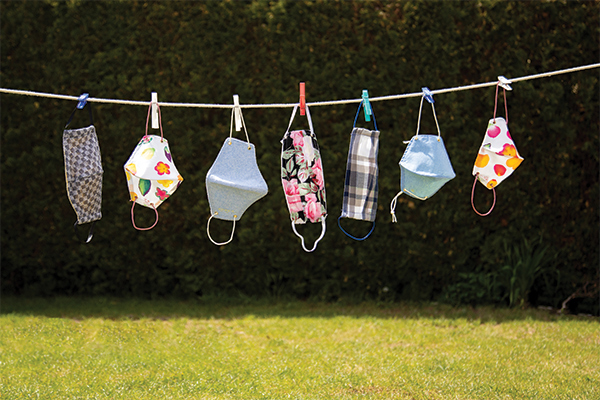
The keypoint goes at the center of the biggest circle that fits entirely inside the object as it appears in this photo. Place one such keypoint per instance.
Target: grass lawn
(99, 348)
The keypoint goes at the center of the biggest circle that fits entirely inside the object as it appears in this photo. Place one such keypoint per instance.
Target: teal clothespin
(367, 105)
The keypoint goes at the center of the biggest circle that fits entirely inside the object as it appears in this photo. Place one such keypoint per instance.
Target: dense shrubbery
(207, 51)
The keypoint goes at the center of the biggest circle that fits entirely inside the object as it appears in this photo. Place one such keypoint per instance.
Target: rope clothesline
(285, 105)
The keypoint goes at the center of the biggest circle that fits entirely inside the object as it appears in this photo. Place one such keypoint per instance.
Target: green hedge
(207, 51)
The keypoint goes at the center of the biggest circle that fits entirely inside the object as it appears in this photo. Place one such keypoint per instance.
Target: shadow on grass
(220, 308)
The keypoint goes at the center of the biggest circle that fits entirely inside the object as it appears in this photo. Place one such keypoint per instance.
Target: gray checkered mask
(361, 185)
(83, 173)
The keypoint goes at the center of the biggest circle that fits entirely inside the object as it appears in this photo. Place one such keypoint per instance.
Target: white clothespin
(237, 112)
(504, 83)
(154, 111)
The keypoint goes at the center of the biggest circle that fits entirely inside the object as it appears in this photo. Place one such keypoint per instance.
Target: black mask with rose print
(302, 178)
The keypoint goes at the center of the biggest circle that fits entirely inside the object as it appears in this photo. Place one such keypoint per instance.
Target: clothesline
(285, 105)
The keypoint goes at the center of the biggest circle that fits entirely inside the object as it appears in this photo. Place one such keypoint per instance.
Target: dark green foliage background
(207, 51)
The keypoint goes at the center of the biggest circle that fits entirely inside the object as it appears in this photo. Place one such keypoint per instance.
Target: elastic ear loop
(143, 229)
(159, 121)
(73, 114)
(90, 232)
(358, 111)
(473, 203)
(352, 237)
(243, 124)
(208, 231)
(323, 229)
(496, 104)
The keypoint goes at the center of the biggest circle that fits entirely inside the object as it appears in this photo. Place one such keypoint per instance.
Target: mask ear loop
(358, 111)
(208, 230)
(159, 121)
(323, 229)
(133, 220)
(90, 232)
(243, 124)
(89, 106)
(496, 103)
(473, 202)
(352, 237)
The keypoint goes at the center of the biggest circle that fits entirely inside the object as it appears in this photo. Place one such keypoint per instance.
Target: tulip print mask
(361, 184)
(302, 178)
(234, 181)
(151, 173)
(498, 156)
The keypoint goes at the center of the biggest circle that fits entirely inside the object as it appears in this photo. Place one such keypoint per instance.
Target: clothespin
(302, 99)
(367, 105)
(504, 83)
(154, 110)
(428, 95)
(82, 100)
(237, 112)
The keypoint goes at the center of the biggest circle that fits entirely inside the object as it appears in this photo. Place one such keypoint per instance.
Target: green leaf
(144, 186)
(304, 189)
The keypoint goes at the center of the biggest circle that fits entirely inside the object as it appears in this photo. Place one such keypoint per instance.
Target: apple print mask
(151, 174)
(498, 156)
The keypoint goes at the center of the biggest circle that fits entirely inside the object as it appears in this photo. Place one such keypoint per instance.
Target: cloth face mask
(497, 158)
(83, 172)
(425, 166)
(302, 178)
(234, 181)
(151, 173)
(361, 184)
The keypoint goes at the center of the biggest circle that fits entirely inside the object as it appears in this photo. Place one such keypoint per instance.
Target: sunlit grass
(129, 349)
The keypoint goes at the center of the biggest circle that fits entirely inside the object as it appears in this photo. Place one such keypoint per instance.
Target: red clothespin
(302, 99)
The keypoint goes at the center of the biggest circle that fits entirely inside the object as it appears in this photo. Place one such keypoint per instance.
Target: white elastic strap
(310, 125)
(243, 124)
(393, 207)
(211, 239)
(323, 229)
(434, 117)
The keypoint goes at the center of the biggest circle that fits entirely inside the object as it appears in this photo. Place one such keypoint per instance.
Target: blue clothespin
(428, 95)
(367, 105)
(504, 83)
(82, 100)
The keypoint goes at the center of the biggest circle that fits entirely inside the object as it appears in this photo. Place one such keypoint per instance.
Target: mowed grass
(102, 348)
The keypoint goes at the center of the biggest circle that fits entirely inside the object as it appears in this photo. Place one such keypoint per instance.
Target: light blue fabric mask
(234, 181)
(425, 166)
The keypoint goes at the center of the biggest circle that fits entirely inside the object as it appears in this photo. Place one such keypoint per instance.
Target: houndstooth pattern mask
(83, 172)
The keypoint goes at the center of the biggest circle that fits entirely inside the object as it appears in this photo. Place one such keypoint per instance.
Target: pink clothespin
(302, 99)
